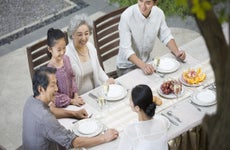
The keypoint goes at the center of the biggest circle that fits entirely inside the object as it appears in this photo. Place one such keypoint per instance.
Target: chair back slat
(106, 37)
(107, 32)
(108, 23)
(110, 47)
(108, 55)
(39, 52)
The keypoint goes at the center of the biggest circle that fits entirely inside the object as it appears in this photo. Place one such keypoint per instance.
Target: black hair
(52, 36)
(142, 96)
(40, 78)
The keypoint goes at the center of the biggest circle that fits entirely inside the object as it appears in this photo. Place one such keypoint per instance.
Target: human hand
(148, 69)
(78, 101)
(111, 81)
(80, 114)
(181, 55)
(110, 135)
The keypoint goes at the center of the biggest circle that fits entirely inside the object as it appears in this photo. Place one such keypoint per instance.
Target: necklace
(83, 54)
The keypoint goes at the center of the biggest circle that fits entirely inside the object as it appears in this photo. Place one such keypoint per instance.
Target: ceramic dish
(204, 98)
(171, 95)
(87, 127)
(116, 92)
(168, 65)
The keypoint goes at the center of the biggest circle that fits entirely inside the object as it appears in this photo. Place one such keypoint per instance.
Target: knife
(172, 121)
(93, 96)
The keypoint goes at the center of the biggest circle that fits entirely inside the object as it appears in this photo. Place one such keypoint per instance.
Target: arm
(146, 68)
(109, 135)
(166, 37)
(174, 49)
(126, 48)
(62, 100)
(99, 74)
(77, 100)
(62, 113)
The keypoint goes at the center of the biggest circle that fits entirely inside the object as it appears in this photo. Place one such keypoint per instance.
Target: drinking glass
(177, 88)
(156, 63)
(101, 103)
(105, 88)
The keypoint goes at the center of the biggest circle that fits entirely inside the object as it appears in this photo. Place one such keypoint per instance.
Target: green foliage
(180, 7)
(200, 7)
(169, 7)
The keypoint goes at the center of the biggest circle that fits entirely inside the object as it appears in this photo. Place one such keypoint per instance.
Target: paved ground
(15, 83)
(20, 17)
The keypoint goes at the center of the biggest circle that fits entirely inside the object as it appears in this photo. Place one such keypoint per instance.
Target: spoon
(171, 114)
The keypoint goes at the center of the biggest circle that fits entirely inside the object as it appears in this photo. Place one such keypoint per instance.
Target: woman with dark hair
(67, 87)
(151, 130)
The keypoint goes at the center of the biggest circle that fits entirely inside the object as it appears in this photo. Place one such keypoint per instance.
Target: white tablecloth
(118, 114)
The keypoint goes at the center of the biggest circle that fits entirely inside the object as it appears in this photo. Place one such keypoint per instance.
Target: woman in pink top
(67, 87)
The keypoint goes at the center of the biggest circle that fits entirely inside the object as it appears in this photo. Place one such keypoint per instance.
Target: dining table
(118, 114)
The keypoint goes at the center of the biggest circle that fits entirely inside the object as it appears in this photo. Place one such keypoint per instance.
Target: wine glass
(101, 103)
(177, 88)
(105, 88)
(156, 63)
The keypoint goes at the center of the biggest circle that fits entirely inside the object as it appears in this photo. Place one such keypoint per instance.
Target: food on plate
(168, 86)
(192, 76)
(157, 100)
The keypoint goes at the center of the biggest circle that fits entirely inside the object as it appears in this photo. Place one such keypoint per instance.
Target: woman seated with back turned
(83, 55)
(151, 131)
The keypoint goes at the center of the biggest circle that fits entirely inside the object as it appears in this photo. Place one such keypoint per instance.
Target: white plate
(171, 95)
(116, 92)
(204, 98)
(191, 85)
(87, 127)
(168, 65)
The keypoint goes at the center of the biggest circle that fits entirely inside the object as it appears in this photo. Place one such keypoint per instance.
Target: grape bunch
(167, 87)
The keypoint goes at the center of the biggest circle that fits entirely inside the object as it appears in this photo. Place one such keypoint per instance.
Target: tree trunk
(217, 126)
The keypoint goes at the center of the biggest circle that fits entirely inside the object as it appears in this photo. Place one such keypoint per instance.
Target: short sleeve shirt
(41, 130)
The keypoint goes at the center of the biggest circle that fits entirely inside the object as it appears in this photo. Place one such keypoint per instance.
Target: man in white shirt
(139, 26)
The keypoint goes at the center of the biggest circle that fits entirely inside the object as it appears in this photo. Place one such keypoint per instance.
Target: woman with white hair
(83, 55)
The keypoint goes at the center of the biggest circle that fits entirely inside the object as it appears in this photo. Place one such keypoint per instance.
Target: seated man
(41, 130)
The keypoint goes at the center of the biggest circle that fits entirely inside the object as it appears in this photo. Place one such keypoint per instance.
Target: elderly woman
(83, 55)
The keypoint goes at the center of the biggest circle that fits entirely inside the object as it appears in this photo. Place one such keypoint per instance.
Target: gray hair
(77, 21)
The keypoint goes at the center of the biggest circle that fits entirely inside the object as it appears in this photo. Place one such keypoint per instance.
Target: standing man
(139, 26)
(41, 130)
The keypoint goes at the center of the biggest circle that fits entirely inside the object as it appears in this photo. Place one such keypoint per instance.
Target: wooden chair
(37, 54)
(106, 37)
